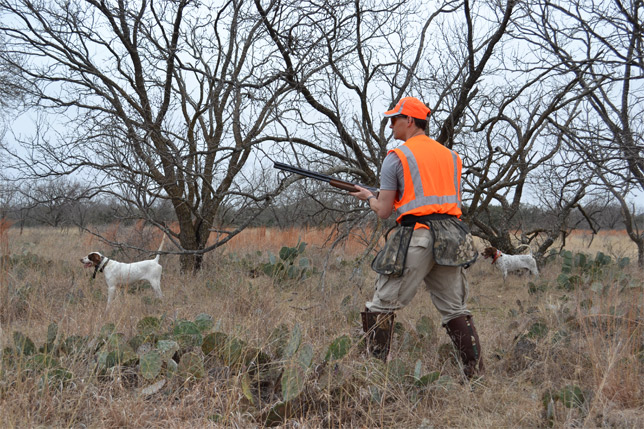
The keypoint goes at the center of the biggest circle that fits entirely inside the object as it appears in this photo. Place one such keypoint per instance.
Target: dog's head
(92, 260)
(489, 252)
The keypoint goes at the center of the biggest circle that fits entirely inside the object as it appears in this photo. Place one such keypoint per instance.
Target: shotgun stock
(340, 184)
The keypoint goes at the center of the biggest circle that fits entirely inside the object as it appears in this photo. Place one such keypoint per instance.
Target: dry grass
(592, 341)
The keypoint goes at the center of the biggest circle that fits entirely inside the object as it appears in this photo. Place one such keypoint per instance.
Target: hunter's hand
(382, 203)
(362, 193)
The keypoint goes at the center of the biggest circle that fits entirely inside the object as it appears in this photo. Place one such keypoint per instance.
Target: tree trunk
(191, 262)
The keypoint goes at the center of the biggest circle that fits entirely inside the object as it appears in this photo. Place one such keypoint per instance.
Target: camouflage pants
(447, 286)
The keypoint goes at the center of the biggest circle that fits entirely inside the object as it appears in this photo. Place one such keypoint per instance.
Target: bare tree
(357, 58)
(53, 201)
(11, 92)
(7, 199)
(361, 57)
(11, 86)
(153, 101)
(503, 131)
(522, 153)
(340, 56)
(352, 55)
(182, 102)
(602, 46)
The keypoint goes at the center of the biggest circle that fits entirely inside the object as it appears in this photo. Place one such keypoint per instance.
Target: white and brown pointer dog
(508, 263)
(119, 273)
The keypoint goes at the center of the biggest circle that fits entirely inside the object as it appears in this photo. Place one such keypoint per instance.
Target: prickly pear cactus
(23, 344)
(191, 366)
(204, 322)
(148, 326)
(187, 334)
(151, 364)
(338, 348)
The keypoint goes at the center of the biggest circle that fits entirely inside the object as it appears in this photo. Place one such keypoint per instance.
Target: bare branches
(347, 51)
(179, 103)
(473, 69)
(156, 102)
(601, 45)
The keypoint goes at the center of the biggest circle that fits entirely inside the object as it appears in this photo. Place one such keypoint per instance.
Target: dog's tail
(156, 259)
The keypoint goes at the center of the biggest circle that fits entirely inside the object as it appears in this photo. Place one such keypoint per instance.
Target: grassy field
(235, 347)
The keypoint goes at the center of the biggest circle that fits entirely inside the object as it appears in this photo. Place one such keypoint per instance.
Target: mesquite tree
(351, 60)
(148, 101)
(600, 44)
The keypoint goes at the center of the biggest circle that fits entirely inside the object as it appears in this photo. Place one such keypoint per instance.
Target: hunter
(421, 181)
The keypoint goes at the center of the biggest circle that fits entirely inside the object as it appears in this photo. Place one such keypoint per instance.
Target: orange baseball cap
(409, 106)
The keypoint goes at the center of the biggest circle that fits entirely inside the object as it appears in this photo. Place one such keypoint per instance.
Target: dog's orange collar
(496, 256)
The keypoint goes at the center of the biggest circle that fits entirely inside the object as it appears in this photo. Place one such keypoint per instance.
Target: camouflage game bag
(453, 243)
(390, 260)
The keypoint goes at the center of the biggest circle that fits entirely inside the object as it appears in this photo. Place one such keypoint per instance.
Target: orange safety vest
(432, 178)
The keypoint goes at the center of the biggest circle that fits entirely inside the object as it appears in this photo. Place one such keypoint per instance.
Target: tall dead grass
(537, 339)
(272, 239)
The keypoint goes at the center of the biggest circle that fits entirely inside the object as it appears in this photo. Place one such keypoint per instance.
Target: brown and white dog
(508, 263)
(119, 273)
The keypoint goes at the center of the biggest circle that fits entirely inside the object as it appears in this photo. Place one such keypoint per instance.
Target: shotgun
(341, 184)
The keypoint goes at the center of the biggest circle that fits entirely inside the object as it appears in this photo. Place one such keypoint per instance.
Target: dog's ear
(95, 258)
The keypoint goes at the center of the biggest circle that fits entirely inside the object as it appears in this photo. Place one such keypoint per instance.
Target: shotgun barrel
(340, 184)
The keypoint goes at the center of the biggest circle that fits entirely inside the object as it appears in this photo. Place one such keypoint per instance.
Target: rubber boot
(463, 334)
(378, 329)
